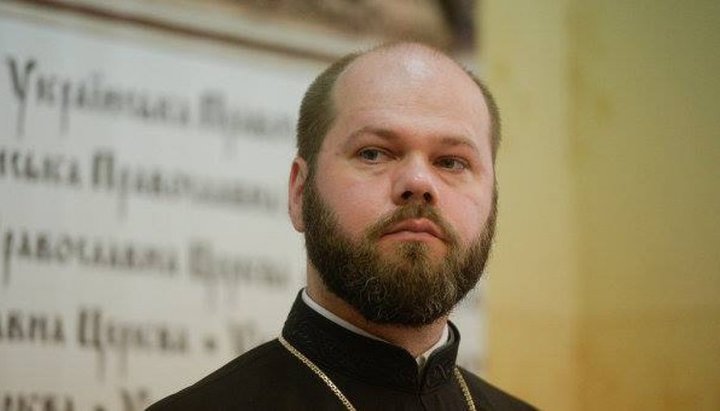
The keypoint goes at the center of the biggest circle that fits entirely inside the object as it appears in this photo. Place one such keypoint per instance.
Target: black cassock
(373, 375)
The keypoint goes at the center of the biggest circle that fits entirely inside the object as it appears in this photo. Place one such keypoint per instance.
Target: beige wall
(604, 291)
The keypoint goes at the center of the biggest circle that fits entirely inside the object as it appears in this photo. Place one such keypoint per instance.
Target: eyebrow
(377, 131)
(390, 135)
(459, 141)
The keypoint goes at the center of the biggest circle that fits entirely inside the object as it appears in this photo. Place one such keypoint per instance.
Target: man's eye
(371, 154)
(454, 164)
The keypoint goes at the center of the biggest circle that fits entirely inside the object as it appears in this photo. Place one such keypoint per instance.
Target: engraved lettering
(20, 82)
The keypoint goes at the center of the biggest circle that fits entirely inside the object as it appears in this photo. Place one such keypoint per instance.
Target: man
(394, 189)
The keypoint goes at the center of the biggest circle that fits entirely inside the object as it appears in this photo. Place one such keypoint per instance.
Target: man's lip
(416, 225)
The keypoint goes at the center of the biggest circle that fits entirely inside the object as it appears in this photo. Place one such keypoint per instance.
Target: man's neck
(415, 340)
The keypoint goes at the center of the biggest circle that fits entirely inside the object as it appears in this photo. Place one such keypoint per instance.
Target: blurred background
(144, 152)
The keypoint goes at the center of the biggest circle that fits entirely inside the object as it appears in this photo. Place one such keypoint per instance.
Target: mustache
(411, 211)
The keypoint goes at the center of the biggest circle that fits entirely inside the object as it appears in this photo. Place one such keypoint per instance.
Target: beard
(405, 287)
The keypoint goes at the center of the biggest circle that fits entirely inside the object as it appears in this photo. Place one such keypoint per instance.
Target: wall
(603, 290)
(144, 155)
(143, 223)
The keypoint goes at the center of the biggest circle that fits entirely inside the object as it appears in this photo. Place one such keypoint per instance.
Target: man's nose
(415, 181)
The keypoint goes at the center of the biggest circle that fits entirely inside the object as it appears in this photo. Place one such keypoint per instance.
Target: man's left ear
(296, 187)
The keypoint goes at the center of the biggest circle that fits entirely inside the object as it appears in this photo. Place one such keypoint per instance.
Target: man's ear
(296, 187)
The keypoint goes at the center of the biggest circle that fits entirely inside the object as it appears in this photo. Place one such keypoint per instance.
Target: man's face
(399, 212)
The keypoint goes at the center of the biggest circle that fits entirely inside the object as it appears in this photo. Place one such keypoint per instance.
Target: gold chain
(341, 396)
(319, 373)
(465, 389)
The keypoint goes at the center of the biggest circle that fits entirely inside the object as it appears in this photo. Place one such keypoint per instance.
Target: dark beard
(406, 288)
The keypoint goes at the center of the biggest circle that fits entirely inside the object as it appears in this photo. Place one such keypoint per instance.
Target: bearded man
(394, 189)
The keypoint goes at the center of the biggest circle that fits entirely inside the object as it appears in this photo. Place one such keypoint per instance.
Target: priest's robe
(372, 375)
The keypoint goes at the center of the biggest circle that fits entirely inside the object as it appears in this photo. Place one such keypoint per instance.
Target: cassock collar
(338, 350)
(420, 360)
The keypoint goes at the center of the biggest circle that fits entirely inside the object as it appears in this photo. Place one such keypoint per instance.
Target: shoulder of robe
(491, 397)
(243, 383)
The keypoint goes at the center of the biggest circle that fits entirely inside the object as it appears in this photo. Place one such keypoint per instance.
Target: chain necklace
(348, 405)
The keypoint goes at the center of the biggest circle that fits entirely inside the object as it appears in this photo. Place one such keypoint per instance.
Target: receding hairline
(436, 56)
(319, 108)
(403, 49)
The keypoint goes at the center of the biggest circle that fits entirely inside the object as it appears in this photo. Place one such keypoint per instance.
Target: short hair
(317, 111)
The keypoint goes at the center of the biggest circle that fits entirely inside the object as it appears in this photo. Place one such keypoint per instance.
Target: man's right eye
(371, 154)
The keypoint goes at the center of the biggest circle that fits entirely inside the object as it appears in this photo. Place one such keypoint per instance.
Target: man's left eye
(451, 163)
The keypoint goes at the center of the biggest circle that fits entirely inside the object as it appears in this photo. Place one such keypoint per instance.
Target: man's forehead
(414, 61)
(401, 72)
(410, 79)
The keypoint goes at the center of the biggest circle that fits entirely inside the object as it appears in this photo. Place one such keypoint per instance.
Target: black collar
(338, 350)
